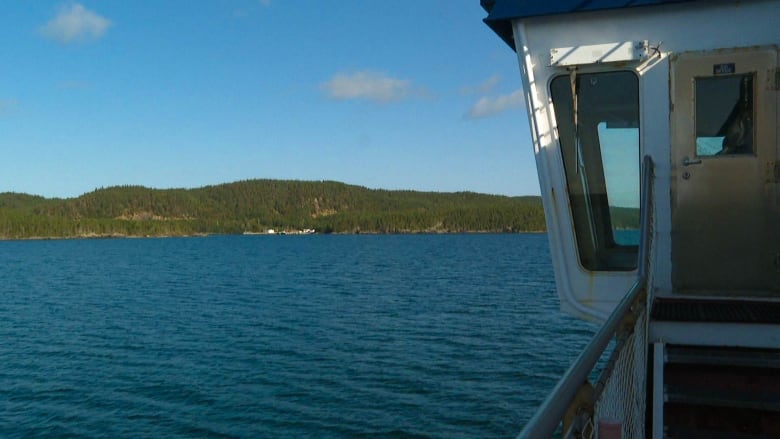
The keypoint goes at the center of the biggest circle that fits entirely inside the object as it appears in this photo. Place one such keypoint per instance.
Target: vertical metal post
(659, 359)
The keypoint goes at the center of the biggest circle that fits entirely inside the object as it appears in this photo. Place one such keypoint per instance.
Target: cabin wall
(678, 28)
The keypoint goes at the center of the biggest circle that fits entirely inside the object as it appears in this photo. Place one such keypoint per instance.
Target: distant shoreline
(262, 206)
(89, 236)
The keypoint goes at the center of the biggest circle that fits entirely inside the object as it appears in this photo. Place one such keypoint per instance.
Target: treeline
(258, 205)
(624, 218)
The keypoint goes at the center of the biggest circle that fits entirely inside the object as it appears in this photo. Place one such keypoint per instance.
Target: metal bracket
(619, 51)
(580, 408)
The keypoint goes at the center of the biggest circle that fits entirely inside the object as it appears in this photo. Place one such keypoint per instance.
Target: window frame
(589, 209)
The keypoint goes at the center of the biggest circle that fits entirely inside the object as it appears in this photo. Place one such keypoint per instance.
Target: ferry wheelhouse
(654, 126)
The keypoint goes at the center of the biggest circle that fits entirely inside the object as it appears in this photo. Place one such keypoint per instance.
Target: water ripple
(257, 336)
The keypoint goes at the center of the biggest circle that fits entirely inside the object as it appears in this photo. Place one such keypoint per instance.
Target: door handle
(688, 162)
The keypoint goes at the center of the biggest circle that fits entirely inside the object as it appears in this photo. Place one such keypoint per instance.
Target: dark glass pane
(724, 115)
(601, 160)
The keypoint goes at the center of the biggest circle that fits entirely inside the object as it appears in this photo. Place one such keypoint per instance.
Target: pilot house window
(599, 140)
(724, 115)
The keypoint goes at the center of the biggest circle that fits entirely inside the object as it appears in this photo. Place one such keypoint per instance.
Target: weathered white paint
(671, 29)
(599, 53)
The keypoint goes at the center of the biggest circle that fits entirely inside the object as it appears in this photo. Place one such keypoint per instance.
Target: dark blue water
(279, 336)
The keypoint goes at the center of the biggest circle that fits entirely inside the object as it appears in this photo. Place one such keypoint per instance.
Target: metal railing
(553, 410)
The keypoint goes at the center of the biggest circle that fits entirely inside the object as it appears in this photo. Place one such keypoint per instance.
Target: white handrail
(552, 410)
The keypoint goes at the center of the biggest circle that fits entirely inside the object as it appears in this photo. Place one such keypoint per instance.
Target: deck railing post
(550, 414)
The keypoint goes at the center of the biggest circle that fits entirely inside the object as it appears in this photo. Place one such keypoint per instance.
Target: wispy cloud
(265, 2)
(75, 23)
(483, 87)
(367, 85)
(490, 106)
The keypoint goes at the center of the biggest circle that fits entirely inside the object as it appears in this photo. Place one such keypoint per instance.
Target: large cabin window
(600, 148)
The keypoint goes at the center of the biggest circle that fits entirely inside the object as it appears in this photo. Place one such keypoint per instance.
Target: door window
(724, 115)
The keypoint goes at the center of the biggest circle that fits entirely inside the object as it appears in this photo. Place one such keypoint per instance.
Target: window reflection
(724, 115)
(620, 161)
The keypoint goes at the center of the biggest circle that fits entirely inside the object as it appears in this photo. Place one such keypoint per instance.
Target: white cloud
(74, 23)
(485, 86)
(265, 2)
(367, 85)
(489, 106)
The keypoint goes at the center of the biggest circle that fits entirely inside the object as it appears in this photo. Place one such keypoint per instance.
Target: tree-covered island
(255, 206)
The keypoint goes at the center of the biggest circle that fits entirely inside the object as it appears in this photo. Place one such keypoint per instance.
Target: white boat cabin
(691, 84)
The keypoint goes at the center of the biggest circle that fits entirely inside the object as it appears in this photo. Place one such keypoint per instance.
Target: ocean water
(280, 336)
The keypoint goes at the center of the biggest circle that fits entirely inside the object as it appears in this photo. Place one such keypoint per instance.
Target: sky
(404, 94)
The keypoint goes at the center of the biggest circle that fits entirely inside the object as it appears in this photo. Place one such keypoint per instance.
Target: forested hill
(255, 206)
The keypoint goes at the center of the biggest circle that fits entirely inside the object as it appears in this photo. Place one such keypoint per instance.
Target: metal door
(724, 172)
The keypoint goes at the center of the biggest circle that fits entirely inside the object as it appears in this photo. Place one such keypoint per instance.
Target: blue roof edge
(502, 12)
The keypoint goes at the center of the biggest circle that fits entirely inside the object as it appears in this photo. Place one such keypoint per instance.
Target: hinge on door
(773, 172)
(774, 79)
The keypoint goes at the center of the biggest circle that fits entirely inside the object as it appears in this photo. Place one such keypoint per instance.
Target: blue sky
(169, 93)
